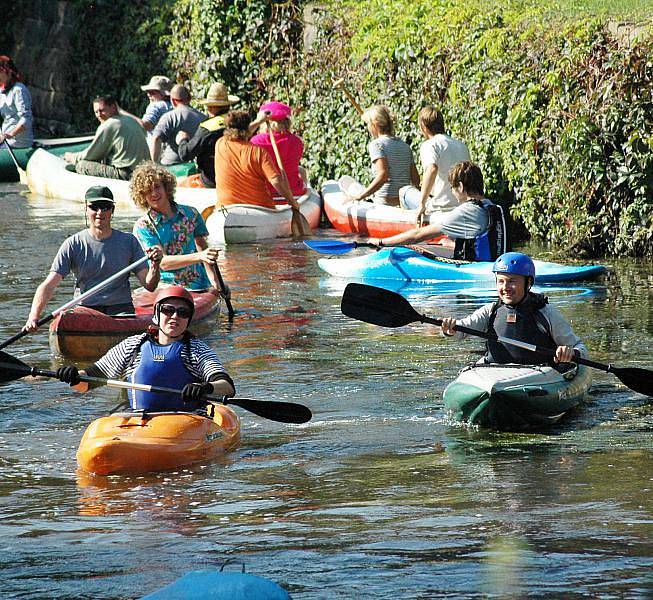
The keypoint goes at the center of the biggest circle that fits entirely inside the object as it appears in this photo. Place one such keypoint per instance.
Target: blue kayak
(205, 585)
(405, 264)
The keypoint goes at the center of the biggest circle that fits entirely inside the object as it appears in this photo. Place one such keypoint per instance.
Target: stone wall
(42, 53)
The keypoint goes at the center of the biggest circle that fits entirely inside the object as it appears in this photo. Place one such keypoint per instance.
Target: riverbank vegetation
(554, 98)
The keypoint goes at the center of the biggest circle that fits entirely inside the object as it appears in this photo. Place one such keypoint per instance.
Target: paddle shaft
(13, 157)
(340, 84)
(223, 288)
(525, 345)
(77, 300)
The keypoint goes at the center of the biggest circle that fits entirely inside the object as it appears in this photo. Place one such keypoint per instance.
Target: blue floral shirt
(177, 236)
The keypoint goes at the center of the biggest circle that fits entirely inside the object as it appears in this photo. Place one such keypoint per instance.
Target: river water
(379, 496)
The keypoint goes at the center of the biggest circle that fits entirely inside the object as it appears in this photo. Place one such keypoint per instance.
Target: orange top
(241, 172)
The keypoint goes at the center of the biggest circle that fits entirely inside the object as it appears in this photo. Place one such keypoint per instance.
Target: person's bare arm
(155, 148)
(382, 176)
(42, 296)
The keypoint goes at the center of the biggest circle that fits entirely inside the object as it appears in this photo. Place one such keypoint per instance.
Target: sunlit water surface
(378, 496)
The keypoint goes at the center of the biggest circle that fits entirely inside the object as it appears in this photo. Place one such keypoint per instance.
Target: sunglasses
(100, 205)
(182, 311)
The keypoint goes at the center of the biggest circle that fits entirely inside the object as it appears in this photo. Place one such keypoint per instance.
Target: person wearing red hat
(15, 107)
(168, 355)
(291, 147)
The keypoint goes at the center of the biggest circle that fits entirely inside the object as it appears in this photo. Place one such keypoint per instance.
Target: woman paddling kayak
(166, 356)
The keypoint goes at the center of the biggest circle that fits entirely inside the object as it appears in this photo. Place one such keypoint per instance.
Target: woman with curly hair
(177, 229)
(15, 107)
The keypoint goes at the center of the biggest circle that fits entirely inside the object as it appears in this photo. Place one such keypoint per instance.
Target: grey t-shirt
(399, 157)
(467, 220)
(93, 261)
(181, 118)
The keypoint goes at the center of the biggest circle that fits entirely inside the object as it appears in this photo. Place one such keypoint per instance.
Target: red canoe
(86, 333)
(364, 218)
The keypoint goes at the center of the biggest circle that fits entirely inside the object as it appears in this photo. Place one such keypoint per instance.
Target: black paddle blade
(638, 380)
(283, 412)
(377, 306)
(12, 368)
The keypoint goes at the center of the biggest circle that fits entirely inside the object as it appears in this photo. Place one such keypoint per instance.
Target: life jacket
(160, 366)
(214, 123)
(489, 245)
(524, 322)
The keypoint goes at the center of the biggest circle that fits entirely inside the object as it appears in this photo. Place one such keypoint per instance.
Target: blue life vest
(523, 322)
(492, 243)
(160, 366)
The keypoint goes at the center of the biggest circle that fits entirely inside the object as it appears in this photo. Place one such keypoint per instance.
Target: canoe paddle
(75, 301)
(299, 226)
(388, 309)
(11, 368)
(21, 171)
(223, 289)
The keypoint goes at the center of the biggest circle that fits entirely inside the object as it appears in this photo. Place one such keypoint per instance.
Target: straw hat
(219, 96)
(160, 83)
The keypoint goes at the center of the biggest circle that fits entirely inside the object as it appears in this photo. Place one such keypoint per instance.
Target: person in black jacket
(202, 145)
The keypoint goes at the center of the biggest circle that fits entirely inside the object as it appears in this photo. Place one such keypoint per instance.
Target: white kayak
(246, 223)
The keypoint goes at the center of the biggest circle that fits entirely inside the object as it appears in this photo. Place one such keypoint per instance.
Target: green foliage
(118, 46)
(242, 43)
(557, 112)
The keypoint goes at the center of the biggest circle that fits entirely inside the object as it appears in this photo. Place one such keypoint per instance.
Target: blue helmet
(515, 263)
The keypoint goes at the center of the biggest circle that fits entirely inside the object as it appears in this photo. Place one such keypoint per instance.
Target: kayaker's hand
(68, 157)
(155, 254)
(448, 326)
(181, 136)
(193, 392)
(421, 218)
(68, 374)
(210, 255)
(564, 354)
(31, 324)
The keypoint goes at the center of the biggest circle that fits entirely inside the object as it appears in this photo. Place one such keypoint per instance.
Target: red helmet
(174, 291)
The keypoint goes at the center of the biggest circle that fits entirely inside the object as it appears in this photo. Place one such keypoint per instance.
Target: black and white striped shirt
(202, 362)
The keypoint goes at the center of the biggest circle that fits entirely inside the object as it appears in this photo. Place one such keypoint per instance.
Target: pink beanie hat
(278, 110)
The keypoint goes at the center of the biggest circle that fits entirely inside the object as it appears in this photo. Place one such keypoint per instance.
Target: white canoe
(47, 176)
(247, 223)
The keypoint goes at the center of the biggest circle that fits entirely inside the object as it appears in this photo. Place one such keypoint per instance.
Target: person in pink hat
(291, 147)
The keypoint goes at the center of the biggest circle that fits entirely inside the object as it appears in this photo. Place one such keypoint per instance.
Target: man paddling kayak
(93, 255)
(521, 315)
(166, 356)
(475, 229)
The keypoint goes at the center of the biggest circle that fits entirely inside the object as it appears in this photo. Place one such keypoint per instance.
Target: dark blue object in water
(207, 585)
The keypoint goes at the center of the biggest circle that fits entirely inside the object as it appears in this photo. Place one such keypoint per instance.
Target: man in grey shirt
(467, 221)
(182, 117)
(93, 255)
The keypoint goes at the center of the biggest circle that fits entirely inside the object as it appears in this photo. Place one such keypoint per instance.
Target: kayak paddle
(388, 309)
(223, 289)
(11, 368)
(75, 301)
(336, 247)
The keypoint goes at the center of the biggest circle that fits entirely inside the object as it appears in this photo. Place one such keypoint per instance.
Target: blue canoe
(407, 265)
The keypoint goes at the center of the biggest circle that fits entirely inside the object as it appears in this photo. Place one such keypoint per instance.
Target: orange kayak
(86, 333)
(128, 443)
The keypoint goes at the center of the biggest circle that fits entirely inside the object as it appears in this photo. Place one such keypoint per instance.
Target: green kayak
(515, 397)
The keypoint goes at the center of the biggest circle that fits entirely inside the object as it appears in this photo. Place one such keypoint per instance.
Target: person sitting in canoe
(243, 170)
(118, 146)
(438, 154)
(182, 117)
(177, 230)
(158, 94)
(201, 146)
(166, 356)
(15, 107)
(289, 145)
(393, 166)
(476, 227)
(519, 314)
(94, 255)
